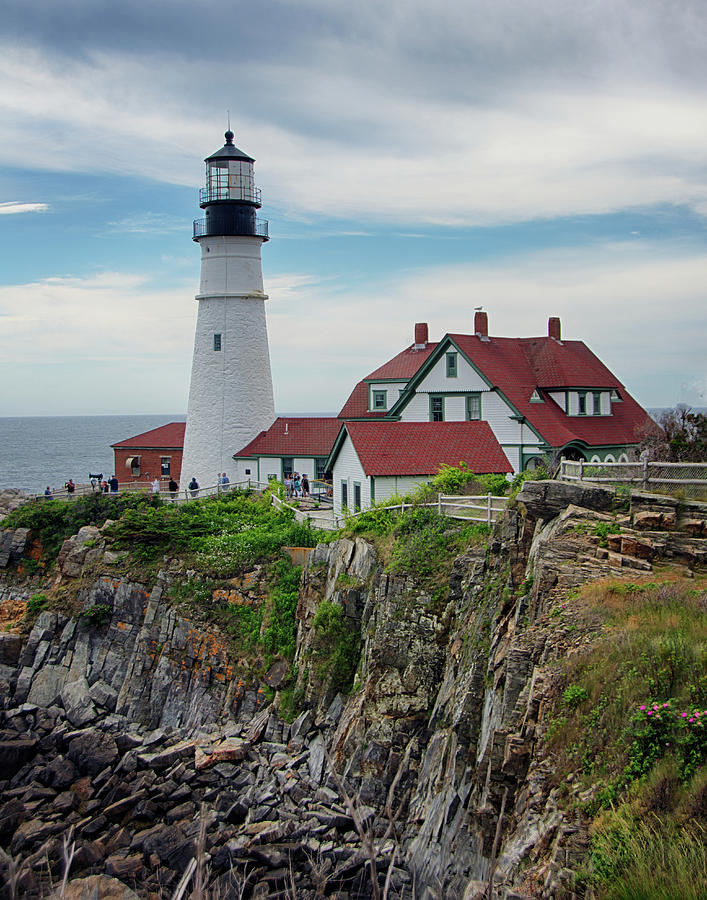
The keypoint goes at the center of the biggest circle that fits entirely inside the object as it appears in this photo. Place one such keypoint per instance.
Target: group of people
(296, 485)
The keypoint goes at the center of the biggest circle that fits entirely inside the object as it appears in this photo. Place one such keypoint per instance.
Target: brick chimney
(421, 335)
(481, 324)
(553, 328)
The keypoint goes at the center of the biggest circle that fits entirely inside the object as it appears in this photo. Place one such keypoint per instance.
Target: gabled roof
(420, 448)
(356, 407)
(166, 437)
(516, 367)
(294, 436)
(404, 365)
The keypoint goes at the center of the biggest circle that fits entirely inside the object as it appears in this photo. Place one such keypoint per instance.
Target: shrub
(336, 647)
(36, 603)
(573, 696)
(53, 521)
(97, 615)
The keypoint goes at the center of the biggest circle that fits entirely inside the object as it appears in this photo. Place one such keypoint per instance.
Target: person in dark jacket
(194, 487)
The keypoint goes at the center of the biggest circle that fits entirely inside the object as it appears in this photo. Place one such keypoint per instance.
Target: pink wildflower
(684, 715)
(650, 712)
(666, 705)
(642, 707)
(690, 720)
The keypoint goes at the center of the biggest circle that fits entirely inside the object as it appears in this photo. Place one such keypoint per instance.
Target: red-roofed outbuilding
(157, 452)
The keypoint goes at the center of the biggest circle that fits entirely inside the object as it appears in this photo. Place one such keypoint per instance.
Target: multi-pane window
(473, 406)
(165, 465)
(217, 341)
(344, 494)
(436, 408)
(596, 396)
(288, 465)
(380, 400)
(357, 495)
(320, 467)
(582, 403)
(451, 365)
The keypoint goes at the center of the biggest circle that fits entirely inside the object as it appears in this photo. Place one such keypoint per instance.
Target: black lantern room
(230, 197)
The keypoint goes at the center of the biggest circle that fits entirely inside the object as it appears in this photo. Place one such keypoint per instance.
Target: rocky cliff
(129, 724)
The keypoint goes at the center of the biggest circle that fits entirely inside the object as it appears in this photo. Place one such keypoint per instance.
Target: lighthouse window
(217, 342)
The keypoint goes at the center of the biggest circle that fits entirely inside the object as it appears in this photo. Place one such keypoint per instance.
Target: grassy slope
(632, 723)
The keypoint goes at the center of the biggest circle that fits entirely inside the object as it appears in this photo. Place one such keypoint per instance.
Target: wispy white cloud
(468, 114)
(639, 307)
(149, 223)
(14, 207)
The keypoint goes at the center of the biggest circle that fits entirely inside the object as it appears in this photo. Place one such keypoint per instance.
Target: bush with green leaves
(225, 533)
(426, 543)
(52, 521)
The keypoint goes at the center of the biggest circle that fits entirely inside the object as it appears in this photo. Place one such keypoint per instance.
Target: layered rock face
(129, 724)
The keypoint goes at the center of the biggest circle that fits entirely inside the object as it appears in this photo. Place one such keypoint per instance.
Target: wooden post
(645, 473)
(439, 503)
(581, 469)
(488, 510)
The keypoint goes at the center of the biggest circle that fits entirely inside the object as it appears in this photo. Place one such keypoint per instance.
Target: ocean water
(48, 450)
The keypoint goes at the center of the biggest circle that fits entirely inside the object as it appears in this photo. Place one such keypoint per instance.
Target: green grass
(632, 719)
(653, 858)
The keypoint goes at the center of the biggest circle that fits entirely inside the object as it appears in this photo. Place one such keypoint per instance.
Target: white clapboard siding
(467, 378)
(270, 466)
(348, 468)
(398, 484)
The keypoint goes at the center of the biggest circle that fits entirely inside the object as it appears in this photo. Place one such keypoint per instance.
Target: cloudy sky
(417, 159)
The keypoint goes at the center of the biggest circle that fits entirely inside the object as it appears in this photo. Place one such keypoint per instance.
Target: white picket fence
(648, 475)
(473, 508)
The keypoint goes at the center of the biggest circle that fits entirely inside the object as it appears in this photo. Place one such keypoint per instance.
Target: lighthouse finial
(229, 134)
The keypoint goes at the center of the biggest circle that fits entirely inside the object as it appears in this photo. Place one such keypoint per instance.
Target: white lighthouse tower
(231, 395)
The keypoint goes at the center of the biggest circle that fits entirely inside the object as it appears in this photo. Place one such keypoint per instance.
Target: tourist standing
(70, 487)
(305, 486)
(48, 493)
(225, 482)
(194, 487)
(173, 488)
(297, 484)
(113, 482)
(156, 485)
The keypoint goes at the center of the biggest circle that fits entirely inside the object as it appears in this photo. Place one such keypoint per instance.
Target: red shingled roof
(519, 365)
(292, 436)
(419, 448)
(165, 437)
(404, 365)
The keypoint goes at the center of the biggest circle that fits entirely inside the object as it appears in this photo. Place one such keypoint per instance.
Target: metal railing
(653, 476)
(215, 192)
(261, 228)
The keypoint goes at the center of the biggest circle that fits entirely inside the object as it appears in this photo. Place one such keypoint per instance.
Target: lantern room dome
(229, 151)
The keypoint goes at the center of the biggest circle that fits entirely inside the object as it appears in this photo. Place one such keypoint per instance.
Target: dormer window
(596, 398)
(615, 396)
(535, 397)
(379, 400)
(582, 403)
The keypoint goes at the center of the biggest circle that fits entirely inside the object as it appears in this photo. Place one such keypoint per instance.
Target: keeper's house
(155, 452)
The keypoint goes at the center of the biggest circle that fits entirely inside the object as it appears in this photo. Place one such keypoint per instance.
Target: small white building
(291, 444)
(372, 461)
